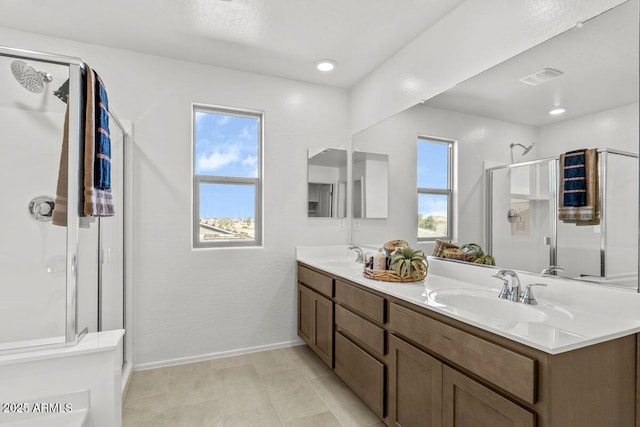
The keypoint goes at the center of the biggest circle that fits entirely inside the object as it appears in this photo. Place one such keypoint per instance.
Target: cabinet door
(323, 341)
(470, 404)
(315, 323)
(306, 316)
(415, 386)
(362, 373)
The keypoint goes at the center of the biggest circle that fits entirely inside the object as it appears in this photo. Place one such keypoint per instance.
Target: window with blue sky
(434, 188)
(227, 172)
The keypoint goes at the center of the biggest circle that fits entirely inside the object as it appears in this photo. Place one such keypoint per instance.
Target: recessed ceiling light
(557, 111)
(326, 65)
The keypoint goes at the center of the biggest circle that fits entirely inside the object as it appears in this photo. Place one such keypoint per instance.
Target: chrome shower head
(28, 77)
(526, 149)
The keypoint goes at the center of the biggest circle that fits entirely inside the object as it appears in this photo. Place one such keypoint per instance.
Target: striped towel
(579, 187)
(98, 200)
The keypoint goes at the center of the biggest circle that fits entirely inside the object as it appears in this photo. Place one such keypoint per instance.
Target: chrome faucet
(360, 257)
(510, 292)
(551, 270)
(527, 296)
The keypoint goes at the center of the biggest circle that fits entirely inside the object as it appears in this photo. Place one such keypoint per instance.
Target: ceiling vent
(541, 76)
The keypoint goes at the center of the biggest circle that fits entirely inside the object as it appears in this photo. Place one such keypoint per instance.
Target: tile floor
(284, 387)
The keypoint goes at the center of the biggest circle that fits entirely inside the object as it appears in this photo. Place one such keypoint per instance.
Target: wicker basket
(454, 253)
(391, 276)
(392, 245)
(441, 246)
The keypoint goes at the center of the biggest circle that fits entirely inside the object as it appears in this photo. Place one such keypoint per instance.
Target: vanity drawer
(316, 281)
(363, 302)
(506, 369)
(360, 329)
(361, 372)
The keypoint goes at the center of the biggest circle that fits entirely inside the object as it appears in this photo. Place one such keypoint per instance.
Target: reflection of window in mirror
(435, 188)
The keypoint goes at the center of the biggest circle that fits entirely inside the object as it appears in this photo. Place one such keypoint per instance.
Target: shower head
(29, 78)
(526, 149)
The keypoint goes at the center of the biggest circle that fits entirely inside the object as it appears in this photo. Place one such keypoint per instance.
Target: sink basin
(486, 306)
(348, 267)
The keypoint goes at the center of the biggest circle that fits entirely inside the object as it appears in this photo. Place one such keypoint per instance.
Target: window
(435, 189)
(227, 177)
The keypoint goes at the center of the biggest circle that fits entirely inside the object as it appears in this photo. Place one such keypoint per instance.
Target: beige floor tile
(289, 386)
(301, 403)
(353, 414)
(193, 383)
(307, 362)
(285, 383)
(333, 391)
(242, 394)
(264, 416)
(155, 402)
(266, 362)
(203, 414)
(133, 418)
(324, 419)
(227, 362)
(149, 382)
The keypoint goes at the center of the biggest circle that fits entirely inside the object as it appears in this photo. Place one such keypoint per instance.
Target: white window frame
(449, 191)
(215, 179)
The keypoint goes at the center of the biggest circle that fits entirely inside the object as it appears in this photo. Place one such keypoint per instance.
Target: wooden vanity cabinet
(488, 380)
(315, 312)
(361, 344)
(415, 367)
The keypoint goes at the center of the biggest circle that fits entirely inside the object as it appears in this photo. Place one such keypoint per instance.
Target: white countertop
(570, 314)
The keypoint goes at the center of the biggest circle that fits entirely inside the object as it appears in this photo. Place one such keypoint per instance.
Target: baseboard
(127, 375)
(210, 356)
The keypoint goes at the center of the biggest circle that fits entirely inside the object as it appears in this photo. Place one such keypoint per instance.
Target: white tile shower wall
(190, 304)
(472, 38)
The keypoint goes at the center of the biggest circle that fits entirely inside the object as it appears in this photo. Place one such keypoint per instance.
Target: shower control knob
(41, 208)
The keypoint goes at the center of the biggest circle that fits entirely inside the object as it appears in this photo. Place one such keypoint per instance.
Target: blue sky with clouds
(432, 173)
(226, 145)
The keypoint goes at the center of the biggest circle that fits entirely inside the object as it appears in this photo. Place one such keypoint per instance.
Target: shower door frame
(553, 202)
(74, 136)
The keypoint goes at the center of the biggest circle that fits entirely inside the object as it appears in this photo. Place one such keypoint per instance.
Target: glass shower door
(33, 250)
(521, 210)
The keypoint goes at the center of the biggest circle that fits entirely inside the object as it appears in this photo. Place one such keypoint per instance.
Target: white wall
(188, 303)
(472, 38)
(478, 139)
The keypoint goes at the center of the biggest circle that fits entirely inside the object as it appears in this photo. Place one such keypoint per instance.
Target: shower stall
(524, 232)
(57, 282)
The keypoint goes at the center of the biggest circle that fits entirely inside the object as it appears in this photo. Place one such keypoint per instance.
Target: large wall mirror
(370, 172)
(327, 183)
(501, 121)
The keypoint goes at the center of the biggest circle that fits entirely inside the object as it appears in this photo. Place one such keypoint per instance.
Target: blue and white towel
(579, 195)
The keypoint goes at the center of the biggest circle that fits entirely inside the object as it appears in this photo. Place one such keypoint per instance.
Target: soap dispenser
(380, 260)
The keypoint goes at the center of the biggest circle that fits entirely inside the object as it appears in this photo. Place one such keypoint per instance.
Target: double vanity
(448, 352)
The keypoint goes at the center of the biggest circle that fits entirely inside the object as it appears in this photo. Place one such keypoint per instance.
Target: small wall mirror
(327, 183)
(370, 174)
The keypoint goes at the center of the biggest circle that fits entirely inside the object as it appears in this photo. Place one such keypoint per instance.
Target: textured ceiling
(275, 37)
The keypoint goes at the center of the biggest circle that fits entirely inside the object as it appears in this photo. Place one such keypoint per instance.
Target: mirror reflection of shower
(32, 80)
(526, 149)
